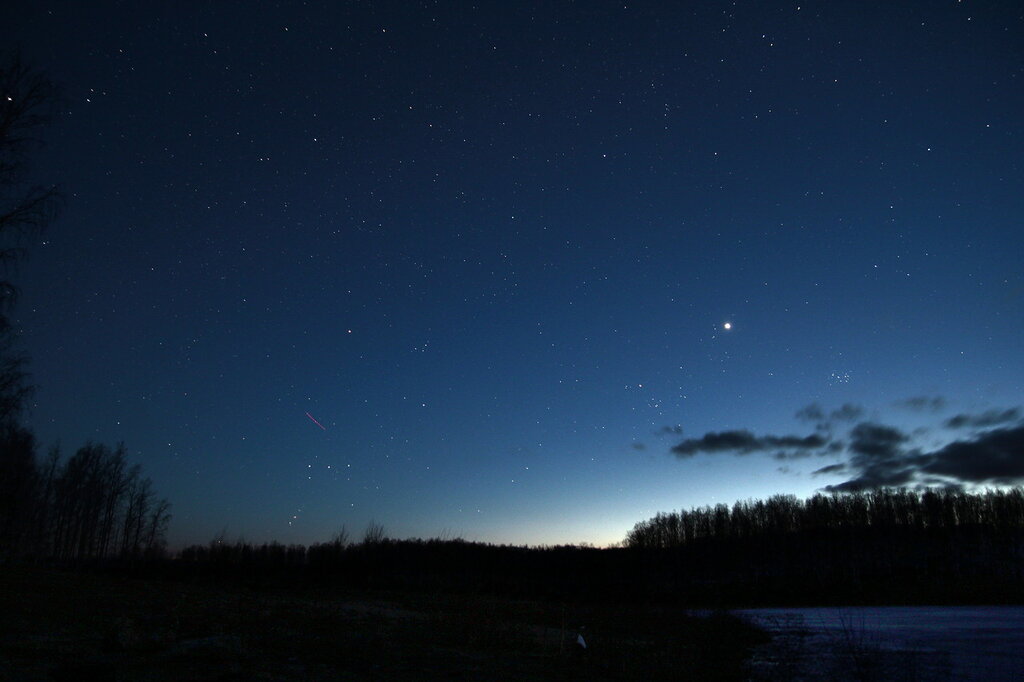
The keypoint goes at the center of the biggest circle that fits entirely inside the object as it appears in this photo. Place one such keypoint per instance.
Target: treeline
(881, 547)
(93, 505)
(434, 566)
(878, 509)
(884, 547)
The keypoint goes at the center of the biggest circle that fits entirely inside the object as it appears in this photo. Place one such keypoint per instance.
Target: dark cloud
(811, 413)
(815, 414)
(830, 469)
(880, 459)
(995, 457)
(983, 420)
(639, 446)
(923, 403)
(847, 413)
(876, 477)
(670, 431)
(876, 440)
(826, 448)
(744, 442)
(883, 456)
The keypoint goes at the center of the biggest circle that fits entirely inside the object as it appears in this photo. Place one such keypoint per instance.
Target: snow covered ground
(909, 643)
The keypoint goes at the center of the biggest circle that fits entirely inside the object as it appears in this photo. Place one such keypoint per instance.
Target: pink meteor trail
(315, 421)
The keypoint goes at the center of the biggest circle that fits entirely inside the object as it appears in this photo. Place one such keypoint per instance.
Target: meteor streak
(315, 421)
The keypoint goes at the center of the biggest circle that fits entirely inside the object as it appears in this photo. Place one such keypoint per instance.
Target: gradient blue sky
(491, 249)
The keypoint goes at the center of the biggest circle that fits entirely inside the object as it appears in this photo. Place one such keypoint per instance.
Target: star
(727, 326)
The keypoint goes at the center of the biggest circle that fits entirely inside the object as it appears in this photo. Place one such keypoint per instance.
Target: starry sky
(467, 269)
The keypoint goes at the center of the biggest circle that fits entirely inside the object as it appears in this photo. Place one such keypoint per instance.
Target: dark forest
(888, 546)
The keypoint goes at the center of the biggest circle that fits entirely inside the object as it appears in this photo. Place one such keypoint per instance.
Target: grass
(64, 625)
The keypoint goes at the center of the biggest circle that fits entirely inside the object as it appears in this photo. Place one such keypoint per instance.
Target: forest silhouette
(887, 546)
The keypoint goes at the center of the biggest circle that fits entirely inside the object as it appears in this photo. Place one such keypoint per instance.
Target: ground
(57, 625)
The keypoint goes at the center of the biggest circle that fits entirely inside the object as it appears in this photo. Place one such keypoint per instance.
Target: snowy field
(892, 643)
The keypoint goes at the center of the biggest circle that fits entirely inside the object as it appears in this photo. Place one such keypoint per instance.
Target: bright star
(727, 326)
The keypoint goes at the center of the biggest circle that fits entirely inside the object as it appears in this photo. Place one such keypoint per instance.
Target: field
(59, 625)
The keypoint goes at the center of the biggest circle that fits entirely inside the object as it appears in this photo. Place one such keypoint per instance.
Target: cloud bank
(923, 403)
(745, 442)
(880, 455)
(985, 419)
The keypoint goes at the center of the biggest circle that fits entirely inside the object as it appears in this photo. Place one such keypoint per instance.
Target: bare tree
(28, 101)
(340, 539)
(19, 485)
(156, 529)
(139, 499)
(374, 534)
(115, 480)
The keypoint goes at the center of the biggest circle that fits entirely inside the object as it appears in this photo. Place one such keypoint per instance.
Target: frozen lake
(892, 643)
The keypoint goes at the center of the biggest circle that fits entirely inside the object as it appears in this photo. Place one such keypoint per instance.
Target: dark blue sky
(492, 248)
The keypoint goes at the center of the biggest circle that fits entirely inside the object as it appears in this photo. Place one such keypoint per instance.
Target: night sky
(527, 272)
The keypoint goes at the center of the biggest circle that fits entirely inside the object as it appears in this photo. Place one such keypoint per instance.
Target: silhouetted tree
(374, 534)
(877, 510)
(27, 101)
(92, 505)
(19, 487)
(156, 531)
(139, 499)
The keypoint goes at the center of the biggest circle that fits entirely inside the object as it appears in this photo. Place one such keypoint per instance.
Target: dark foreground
(58, 625)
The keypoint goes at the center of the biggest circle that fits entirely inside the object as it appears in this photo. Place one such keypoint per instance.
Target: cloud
(995, 457)
(743, 442)
(879, 476)
(639, 446)
(670, 431)
(880, 459)
(811, 413)
(983, 420)
(815, 414)
(923, 403)
(847, 413)
(877, 460)
(870, 480)
(876, 455)
(876, 440)
(830, 469)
